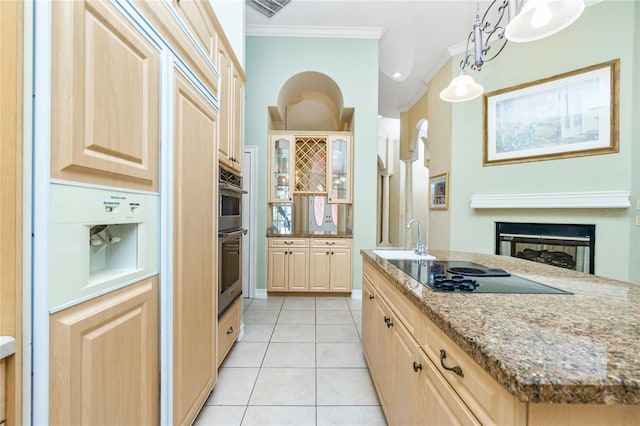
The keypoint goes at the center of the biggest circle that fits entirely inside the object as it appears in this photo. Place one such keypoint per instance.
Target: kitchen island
(553, 358)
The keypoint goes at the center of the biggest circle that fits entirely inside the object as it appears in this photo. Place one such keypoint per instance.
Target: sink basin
(402, 254)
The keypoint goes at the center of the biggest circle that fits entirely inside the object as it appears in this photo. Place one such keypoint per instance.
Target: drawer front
(406, 311)
(486, 398)
(288, 242)
(330, 242)
(228, 329)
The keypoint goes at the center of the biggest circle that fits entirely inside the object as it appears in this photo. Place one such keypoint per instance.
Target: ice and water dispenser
(100, 240)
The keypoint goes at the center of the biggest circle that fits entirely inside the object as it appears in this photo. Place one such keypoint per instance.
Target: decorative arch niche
(310, 101)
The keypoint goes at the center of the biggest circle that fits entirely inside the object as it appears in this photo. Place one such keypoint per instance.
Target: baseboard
(261, 293)
(356, 294)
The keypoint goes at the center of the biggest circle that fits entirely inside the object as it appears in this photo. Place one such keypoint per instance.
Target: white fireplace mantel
(553, 200)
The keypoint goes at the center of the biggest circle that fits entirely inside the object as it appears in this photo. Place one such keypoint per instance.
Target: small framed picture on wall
(439, 192)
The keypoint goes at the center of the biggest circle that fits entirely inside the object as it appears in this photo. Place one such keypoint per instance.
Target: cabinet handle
(416, 367)
(455, 369)
(331, 252)
(290, 252)
(230, 331)
(387, 319)
(288, 242)
(327, 253)
(370, 296)
(330, 243)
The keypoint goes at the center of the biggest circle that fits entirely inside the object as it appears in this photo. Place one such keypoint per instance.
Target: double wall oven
(230, 235)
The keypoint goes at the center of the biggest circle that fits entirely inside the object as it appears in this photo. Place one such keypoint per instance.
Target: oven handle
(225, 187)
(232, 234)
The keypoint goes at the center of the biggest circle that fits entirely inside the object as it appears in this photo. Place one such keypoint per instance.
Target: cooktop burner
(469, 277)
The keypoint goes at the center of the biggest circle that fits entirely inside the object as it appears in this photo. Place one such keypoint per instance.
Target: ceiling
(414, 36)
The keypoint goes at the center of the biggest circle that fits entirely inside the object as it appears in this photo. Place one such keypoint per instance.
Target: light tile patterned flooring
(299, 363)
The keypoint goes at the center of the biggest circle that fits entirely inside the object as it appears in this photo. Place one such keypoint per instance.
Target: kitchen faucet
(419, 249)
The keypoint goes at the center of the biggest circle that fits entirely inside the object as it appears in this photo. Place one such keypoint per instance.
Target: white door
(249, 221)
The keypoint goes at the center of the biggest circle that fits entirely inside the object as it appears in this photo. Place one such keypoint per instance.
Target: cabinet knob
(230, 331)
(370, 296)
(327, 252)
(416, 367)
(456, 369)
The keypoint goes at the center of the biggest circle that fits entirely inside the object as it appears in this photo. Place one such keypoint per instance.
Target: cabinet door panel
(382, 358)
(439, 403)
(298, 270)
(278, 269)
(404, 381)
(368, 332)
(339, 169)
(104, 359)
(319, 267)
(105, 98)
(340, 270)
(236, 120)
(195, 308)
(226, 90)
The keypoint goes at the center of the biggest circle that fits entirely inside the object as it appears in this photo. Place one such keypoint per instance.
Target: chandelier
(536, 19)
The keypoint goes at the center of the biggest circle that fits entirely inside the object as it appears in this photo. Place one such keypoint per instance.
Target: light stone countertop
(7, 346)
(543, 348)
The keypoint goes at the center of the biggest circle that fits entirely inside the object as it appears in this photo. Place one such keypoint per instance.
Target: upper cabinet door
(339, 173)
(199, 16)
(280, 169)
(104, 98)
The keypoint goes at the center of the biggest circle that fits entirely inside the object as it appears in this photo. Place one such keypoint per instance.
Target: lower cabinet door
(341, 270)
(299, 270)
(278, 269)
(439, 404)
(103, 366)
(319, 266)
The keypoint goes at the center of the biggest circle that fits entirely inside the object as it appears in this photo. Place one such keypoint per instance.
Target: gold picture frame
(567, 115)
(439, 192)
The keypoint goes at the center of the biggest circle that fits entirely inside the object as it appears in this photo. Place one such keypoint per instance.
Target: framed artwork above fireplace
(567, 115)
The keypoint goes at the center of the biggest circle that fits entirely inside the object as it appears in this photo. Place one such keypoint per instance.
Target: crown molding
(307, 31)
(554, 200)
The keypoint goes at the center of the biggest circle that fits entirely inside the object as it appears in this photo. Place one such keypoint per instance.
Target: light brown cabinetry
(104, 98)
(228, 330)
(288, 266)
(194, 271)
(104, 359)
(330, 265)
(412, 385)
(231, 97)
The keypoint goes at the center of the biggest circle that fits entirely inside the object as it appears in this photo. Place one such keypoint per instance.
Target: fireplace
(563, 245)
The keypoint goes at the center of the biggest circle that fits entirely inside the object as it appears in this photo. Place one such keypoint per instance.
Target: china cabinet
(306, 163)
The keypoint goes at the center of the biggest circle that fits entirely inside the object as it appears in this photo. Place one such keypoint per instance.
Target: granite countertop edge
(612, 390)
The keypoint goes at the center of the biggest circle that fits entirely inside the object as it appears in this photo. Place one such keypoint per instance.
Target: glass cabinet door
(280, 182)
(339, 169)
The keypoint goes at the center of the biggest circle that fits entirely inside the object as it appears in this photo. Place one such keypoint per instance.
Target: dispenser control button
(111, 206)
(135, 207)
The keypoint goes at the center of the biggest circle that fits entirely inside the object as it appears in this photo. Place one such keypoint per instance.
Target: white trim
(40, 212)
(356, 294)
(261, 293)
(308, 31)
(104, 187)
(166, 238)
(27, 209)
(252, 187)
(554, 200)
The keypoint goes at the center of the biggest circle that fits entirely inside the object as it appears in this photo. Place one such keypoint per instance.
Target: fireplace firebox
(567, 246)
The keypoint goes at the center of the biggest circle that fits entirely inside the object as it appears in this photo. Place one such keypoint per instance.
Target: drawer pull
(416, 367)
(330, 243)
(230, 331)
(455, 369)
(388, 321)
(288, 242)
(370, 296)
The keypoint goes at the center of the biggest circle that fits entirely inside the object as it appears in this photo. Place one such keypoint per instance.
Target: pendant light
(491, 31)
(541, 18)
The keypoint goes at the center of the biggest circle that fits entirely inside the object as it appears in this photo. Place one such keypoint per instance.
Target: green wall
(353, 65)
(604, 32)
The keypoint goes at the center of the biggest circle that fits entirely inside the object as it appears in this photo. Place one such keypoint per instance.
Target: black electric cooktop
(469, 277)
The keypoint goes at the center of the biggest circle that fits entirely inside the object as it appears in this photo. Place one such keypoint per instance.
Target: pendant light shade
(462, 88)
(542, 18)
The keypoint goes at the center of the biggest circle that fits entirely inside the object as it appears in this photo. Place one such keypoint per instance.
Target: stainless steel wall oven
(230, 235)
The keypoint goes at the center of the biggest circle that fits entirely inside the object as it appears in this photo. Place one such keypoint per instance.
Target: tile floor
(299, 363)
